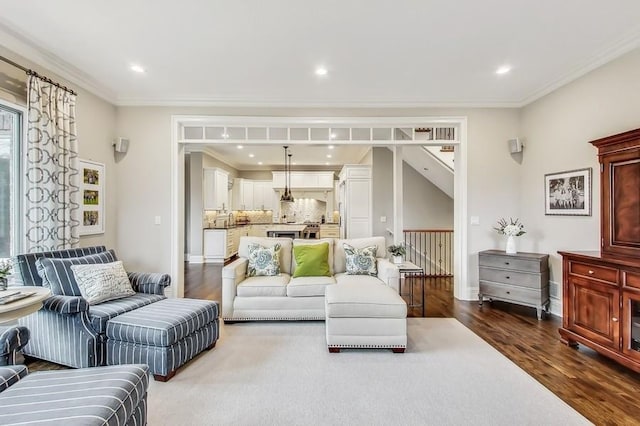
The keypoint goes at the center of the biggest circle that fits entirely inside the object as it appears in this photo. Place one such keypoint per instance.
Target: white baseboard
(196, 259)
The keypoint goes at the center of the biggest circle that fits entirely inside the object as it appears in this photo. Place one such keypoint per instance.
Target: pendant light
(287, 196)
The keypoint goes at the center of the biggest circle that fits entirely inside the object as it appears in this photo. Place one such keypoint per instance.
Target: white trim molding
(462, 289)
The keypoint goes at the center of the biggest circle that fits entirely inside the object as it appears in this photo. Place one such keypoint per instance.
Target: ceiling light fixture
(225, 135)
(259, 163)
(328, 155)
(331, 147)
(332, 136)
(137, 68)
(240, 146)
(251, 155)
(503, 69)
(321, 71)
(326, 164)
(287, 196)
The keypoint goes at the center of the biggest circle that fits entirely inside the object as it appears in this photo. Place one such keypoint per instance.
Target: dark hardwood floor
(601, 390)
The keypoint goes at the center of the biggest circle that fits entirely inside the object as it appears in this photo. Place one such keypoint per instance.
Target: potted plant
(511, 229)
(397, 251)
(5, 271)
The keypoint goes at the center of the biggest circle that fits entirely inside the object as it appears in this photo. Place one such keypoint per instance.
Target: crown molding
(16, 42)
(615, 50)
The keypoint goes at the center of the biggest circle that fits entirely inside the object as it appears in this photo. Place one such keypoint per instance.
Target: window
(10, 182)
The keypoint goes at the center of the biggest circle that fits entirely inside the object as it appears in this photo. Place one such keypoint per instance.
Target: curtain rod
(35, 74)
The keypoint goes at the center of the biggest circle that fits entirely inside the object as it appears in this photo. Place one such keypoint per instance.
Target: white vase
(511, 245)
(397, 259)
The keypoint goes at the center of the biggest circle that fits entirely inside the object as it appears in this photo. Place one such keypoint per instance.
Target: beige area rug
(281, 373)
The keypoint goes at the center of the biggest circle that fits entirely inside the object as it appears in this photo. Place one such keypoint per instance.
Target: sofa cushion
(340, 257)
(57, 275)
(345, 278)
(308, 286)
(263, 261)
(360, 300)
(102, 282)
(361, 261)
(11, 374)
(100, 314)
(285, 249)
(312, 260)
(264, 286)
(303, 242)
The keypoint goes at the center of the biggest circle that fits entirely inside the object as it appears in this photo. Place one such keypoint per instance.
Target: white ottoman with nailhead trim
(365, 315)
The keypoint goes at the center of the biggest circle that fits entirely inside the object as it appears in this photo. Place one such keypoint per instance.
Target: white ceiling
(378, 52)
(306, 157)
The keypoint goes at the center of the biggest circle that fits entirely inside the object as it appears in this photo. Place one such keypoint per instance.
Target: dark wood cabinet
(601, 290)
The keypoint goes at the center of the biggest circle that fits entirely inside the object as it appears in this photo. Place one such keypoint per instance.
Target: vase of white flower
(511, 229)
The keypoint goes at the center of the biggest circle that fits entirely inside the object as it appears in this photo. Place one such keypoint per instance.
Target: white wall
(558, 129)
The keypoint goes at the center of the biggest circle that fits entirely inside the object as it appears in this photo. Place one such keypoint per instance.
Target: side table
(23, 307)
(414, 273)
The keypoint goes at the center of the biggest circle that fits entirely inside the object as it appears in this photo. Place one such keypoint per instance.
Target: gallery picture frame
(568, 193)
(92, 197)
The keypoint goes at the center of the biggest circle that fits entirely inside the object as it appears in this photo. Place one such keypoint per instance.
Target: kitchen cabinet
(355, 201)
(304, 180)
(215, 189)
(521, 278)
(221, 244)
(253, 194)
(329, 231)
(243, 194)
(263, 195)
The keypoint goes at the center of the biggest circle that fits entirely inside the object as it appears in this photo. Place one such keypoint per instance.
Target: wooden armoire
(601, 290)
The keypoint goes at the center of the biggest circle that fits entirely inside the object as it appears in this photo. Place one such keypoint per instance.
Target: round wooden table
(19, 308)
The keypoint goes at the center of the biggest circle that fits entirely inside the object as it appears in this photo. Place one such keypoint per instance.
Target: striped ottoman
(164, 335)
(87, 396)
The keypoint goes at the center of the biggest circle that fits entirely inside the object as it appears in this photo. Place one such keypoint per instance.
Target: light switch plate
(475, 220)
(383, 219)
(157, 220)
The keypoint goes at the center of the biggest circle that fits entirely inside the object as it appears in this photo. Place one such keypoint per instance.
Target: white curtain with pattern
(51, 184)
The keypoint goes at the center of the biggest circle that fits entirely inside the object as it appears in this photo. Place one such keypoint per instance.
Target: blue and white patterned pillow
(361, 261)
(263, 261)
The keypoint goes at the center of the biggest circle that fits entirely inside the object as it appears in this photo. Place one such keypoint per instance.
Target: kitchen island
(291, 231)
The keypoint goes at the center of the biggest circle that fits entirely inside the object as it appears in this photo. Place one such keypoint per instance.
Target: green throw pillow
(263, 261)
(361, 261)
(312, 260)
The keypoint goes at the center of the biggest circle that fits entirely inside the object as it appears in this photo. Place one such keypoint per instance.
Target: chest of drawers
(521, 278)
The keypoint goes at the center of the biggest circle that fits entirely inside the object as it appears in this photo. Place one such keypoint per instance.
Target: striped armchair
(12, 339)
(67, 330)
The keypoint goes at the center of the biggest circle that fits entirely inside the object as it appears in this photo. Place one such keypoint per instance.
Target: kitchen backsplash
(303, 209)
(253, 216)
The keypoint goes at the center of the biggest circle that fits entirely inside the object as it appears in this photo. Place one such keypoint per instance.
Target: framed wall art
(568, 193)
(92, 181)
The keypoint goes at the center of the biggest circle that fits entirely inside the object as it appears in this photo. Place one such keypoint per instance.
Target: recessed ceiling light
(321, 71)
(326, 164)
(332, 136)
(225, 135)
(503, 69)
(331, 147)
(260, 163)
(328, 155)
(251, 155)
(137, 68)
(240, 146)
(294, 164)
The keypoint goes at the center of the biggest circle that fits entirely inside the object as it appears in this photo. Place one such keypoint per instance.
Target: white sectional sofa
(282, 297)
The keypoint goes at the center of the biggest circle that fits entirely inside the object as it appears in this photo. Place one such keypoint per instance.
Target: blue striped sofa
(67, 330)
(91, 396)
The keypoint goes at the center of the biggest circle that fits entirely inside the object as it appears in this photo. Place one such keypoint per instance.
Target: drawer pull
(508, 277)
(591, 272)
(508, 292)
(614, 319)
(506, 263)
